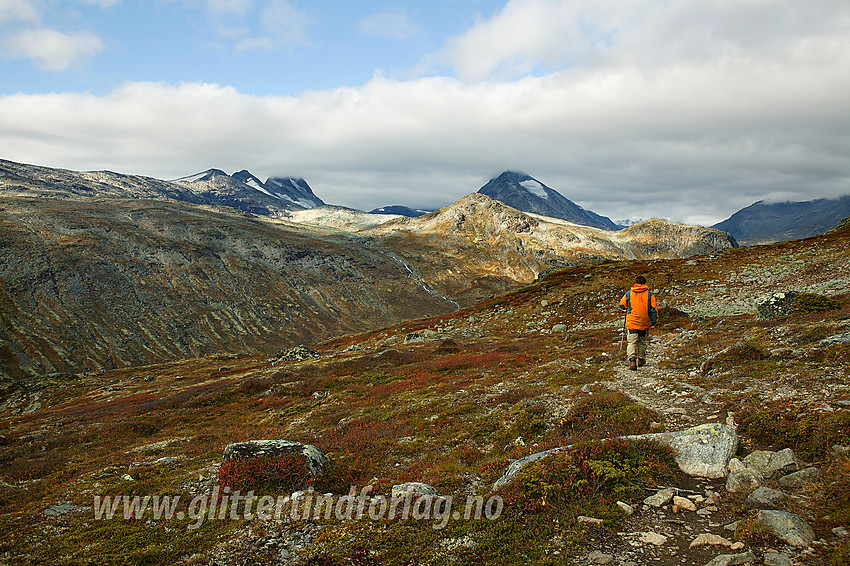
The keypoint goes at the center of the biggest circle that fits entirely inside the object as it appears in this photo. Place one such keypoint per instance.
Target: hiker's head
(640, 280)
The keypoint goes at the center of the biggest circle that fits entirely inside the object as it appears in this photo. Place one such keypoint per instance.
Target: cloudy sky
(689, 110)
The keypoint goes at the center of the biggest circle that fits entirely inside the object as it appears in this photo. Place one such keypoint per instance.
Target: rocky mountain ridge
(764, 223)
(525, 193)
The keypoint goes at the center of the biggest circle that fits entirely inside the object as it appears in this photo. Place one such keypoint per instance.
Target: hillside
(101, 270)
(451, 401)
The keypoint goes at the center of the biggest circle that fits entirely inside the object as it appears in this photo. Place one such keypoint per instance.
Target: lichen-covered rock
(317, 462)
(759, 460)
(775, 305)
(296, 354)
(782, 462)
(743, 480)
(766, 498)
(800, 478)
(788, 527)
(414, 489)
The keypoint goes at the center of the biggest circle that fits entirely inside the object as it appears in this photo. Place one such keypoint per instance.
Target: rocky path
(692, 520)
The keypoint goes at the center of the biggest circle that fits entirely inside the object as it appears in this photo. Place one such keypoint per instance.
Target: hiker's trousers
(637, 344)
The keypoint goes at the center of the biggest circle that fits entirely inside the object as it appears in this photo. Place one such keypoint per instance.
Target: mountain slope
(469, 247)
(763, 223)
(98, 283)
(527, 194)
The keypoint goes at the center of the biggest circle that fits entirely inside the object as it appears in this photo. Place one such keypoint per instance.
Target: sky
(685, 109)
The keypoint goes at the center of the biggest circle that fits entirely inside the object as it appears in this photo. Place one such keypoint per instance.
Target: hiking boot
(633, 364)
(641, 362)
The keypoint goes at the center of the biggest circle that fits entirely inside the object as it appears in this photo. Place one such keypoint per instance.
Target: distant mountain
(527, 194)
(626, 222)
(399, 209)
(242, 190)
(246, 192)
(763, 223)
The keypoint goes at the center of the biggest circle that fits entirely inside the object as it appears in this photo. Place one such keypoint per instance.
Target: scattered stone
(683, 504)
(597, 557)
(775, 305)
(788, 527)
(63, 509)
(544, 303)
(735, 465)
(296, 354)
(782, 462)
(559, 328)
(743, 480)
(842, 338)
(127, 477)
(591, 520)
(776, 559)
(414, 489)
(840, 531)
(733, 559)
(652, 538)
(627, 509)
(708, 539)
(737, 546)
(800, 478)
(766, 498)
(165, 460)
(660, 498)
(414, 337)
(759, 460)
(316, 461)
(840, 450)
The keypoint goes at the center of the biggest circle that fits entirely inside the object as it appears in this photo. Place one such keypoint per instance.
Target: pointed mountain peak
(525, 193)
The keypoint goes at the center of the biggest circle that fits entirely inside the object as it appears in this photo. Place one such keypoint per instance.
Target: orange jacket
(641, 307)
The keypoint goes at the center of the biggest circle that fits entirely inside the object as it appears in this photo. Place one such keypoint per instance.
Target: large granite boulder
(316, 461)
(702, 451)
(776, 305)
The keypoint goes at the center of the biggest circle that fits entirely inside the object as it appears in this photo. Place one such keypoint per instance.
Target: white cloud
(693, 123)
(528, 34)
(387, 25)
(51, 49)
(18, 10)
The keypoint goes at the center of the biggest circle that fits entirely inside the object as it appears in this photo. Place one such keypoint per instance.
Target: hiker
(641, 315)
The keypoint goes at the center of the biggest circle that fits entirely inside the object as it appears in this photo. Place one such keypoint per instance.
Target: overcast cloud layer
(688, 110)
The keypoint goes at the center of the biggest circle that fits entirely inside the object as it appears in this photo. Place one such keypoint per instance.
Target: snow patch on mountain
(535, 188)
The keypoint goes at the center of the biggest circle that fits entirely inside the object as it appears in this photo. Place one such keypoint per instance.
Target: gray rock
(800, 478)
(597, 557)
(743, 480)
(559, 328)
(842, 338)
(626, 508)
(766, 498)
(413, 337)
(317, 462)
(414, 489)
(777, 559)
(782, 462)
(63, 509)
(776, 305)
(759, 460)
(702, 451)
(660, 498)
(732, 559)
(296, 354)
(788, 527)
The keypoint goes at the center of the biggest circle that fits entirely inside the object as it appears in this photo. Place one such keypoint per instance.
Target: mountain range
(103, 270)
(763, 223)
